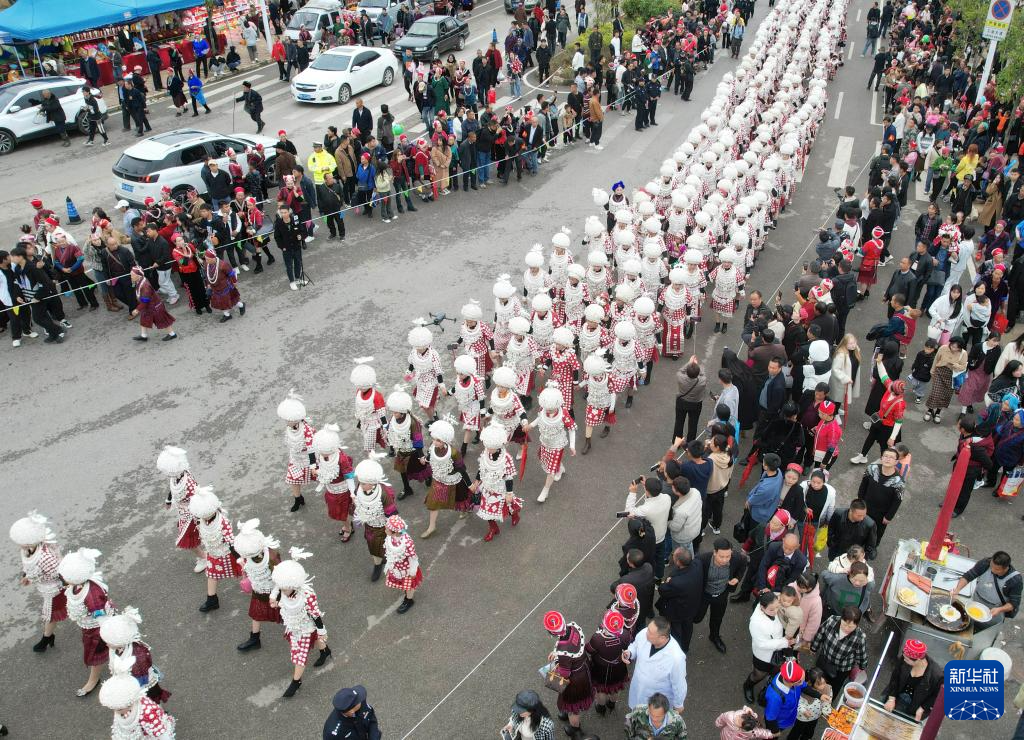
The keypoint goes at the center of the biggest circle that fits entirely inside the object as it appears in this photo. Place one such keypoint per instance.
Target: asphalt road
(91, 416)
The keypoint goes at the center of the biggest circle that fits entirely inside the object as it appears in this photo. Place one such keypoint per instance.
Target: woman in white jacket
(844, 383)
(765, 638)
(947, 311)
(1012, 351)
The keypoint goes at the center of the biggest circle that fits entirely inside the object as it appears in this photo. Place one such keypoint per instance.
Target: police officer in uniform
(653, 93)
(352, 718)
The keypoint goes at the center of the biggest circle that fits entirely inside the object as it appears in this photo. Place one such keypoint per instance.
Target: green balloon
(397, 129)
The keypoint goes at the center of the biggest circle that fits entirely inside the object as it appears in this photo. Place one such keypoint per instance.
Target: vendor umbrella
(934, 549)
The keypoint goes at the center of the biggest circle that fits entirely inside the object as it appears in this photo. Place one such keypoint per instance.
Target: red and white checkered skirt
(470, 420)
(297, 476)
(493, 506)
(55, 608)
(338, 505)
(299, 646)
(421, 396)
(222, 568)
(188, 534)
(596, 416)
(724, 307)
(672, 340)
(618, 382)
(405, 584)
(645, 354)
(260, 609)
(551, 460)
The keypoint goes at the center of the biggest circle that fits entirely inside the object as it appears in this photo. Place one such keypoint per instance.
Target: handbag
(1010, 485)
(958, 380)
(741, 529)
(555, 680)
(1000, 322)
(934, 332)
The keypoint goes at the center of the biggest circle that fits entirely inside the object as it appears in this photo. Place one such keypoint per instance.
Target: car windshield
(332, 62)
(304, 18)
(426, 29)
(373, 4)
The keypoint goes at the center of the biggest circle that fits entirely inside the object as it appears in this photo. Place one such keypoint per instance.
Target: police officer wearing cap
(352, 718)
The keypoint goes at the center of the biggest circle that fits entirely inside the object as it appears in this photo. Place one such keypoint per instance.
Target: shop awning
(31, 20)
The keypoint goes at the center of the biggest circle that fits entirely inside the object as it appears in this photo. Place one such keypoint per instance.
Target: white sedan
(339, 73)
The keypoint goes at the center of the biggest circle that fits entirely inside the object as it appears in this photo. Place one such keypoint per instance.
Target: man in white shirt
(653, 506)
(659, 666)
(577, 58)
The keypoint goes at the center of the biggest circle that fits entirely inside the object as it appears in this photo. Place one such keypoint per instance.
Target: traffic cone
(73, 217)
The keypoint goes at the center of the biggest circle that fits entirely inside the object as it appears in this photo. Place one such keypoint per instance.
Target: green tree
(1010, 51)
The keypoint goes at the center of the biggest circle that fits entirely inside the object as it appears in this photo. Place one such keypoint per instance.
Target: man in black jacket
(35, 287)
(218, 183)
(679, 595)
(902, 283)
(882, 59)
(352, 718)
(851, 526)
(882, 489)
(467, 160)
(290, 237)
(330, 199)
(723, 567)
(362, 119)
(11, 296)
(641, 575)
(160, 276)
(844, 294)
(772, 396)
(155, 63)
(253, 104)
(782, 563)
(54, 111)
(921, 268)
(134, 99)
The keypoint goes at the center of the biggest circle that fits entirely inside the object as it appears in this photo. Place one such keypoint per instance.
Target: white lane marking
(841, 162)
(839, 104)
(874, 108)
(859, 11)
(228, 89)
(849, 54)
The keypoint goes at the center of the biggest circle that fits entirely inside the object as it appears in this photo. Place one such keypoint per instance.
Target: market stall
(916, 594)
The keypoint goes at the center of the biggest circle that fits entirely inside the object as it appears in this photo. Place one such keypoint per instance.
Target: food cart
(916, 595)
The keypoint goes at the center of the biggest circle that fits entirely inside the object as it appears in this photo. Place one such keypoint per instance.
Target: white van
(316, 15)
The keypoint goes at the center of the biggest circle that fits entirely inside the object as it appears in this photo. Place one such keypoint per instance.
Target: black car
(431, 36)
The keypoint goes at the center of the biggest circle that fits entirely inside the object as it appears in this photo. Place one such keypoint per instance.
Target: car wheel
(271, 177)
(435, 54)
(7, 142)
(462, 43)
(82, 122)
(344, 94)
(389, 77)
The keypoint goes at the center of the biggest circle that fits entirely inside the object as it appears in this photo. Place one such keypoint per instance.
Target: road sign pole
(989, 59)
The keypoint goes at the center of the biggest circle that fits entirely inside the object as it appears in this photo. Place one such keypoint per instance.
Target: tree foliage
(1010, 51)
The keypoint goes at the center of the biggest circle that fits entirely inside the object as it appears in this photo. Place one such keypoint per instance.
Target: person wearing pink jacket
(810, 604)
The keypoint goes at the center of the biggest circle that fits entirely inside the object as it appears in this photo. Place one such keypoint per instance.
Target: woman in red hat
(569, 660)
(871, 252)
(915, 682)
(608, 673)
(150, 309)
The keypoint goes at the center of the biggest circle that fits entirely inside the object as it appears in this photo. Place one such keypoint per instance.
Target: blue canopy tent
(31, 20)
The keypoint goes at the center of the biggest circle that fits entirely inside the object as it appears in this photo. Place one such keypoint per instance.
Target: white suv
(175, 159)
(21, 118)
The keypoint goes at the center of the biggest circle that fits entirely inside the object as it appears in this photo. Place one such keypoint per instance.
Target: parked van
(316, 15)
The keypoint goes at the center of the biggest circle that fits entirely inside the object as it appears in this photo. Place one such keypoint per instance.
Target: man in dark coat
(134, 100)
(155, 64)
(781, 564)
(641, 575)
(218, 183)
(772, 395)
(352, 718)
(36, 288)
(253, 104)
(362, 119)
(54, 111)
(852, 526)
(723, 568)
(680, 596)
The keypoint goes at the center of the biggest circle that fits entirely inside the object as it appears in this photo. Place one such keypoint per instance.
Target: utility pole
(266, 27)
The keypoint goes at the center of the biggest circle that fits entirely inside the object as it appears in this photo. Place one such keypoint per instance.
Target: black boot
(211, 603)
(725, 327)
(586, 446)
(253, 643)
(462, 449)
(259, 263)
(377, 570)
(717, 324)
(601, 709)
(748, 691)
(324, 655)
(40, 647)
(629, 402)
(606, 431)
(270, 259)
(610, 705)
(292, 688)
(406, 488)
(297, 504)
(405, 606)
